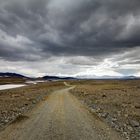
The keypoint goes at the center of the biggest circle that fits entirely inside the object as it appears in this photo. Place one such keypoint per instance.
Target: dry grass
(15, 102)
(115, 93)
(14, 80)
(119, 98)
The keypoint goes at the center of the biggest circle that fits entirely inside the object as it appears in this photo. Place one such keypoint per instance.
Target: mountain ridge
(53, 77)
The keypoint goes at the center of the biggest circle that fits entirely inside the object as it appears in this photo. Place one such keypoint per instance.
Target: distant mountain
(47, 77)
(107, 77)
(8, 74)
(57, 78)
(96, 77)
(130, 77)
(121, 77)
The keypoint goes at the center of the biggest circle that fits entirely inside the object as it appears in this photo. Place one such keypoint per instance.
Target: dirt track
(60, 117)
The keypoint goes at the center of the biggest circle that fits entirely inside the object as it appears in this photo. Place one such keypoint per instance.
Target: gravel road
(59, 117)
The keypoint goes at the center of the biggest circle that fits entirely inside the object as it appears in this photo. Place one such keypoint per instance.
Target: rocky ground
(15, 102)
(59, 117)
(115, 102)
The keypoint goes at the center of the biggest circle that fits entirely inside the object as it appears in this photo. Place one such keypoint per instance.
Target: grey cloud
(92, 28)
(73, 28)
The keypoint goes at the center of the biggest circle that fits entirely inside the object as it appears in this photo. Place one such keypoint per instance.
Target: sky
(84, 38)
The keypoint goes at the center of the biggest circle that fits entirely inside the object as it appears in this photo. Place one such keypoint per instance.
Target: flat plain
(71, 110)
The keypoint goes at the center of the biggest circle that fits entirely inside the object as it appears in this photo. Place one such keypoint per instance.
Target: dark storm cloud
(68, 28)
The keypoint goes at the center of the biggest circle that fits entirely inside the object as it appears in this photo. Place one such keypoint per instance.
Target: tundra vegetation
(117, 102)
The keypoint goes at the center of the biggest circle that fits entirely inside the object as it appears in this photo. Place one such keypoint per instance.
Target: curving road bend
(60, 117)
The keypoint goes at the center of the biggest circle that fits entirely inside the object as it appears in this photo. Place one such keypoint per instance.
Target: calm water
(10, 86)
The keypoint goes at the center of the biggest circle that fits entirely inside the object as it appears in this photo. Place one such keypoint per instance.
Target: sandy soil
(60, 117)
